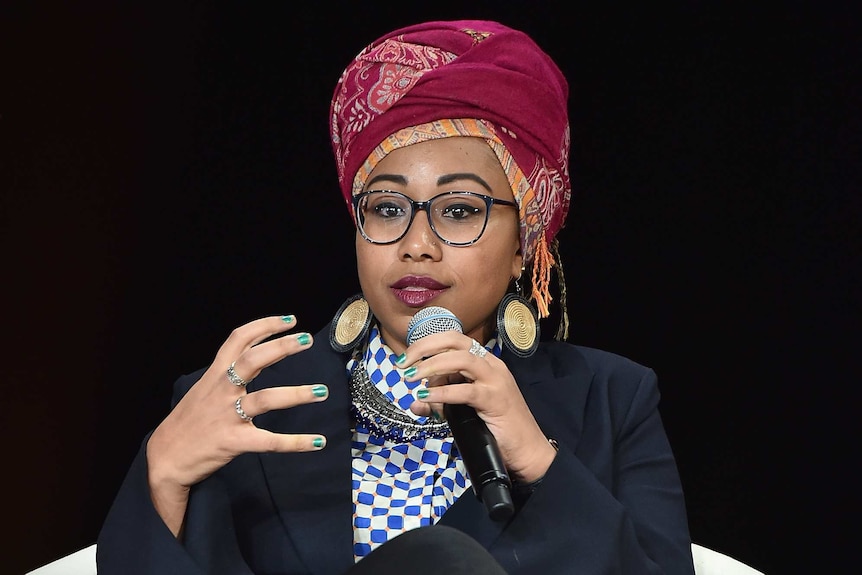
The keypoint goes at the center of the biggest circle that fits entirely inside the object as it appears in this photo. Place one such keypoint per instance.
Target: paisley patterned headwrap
(463, 78)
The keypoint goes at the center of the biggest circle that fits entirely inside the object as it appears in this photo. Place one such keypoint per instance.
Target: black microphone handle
(476, 443)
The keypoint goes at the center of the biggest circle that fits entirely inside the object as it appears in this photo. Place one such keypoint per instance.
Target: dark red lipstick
(417, 291)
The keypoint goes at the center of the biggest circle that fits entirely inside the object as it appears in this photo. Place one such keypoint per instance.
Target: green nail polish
(318, 442)
(319, 391)
(422, 393)
(435, 415)
(287, 318)
(411, 371)
(401, 359)
(303, 339)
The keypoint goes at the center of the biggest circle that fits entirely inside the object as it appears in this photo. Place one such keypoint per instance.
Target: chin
(394, 323)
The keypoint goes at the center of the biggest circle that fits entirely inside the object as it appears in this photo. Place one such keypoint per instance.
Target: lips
(417, 291)
(418, 282)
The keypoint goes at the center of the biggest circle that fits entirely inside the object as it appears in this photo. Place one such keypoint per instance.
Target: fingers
(251, 334)
(263, 441)
(429, 348)
(456, 369)
(453, 366)
(432, 345)
(271, 398)
(269, 442)
(214, 421)
(250, 363)
(467, 393)
(432, 410)
(243, 355)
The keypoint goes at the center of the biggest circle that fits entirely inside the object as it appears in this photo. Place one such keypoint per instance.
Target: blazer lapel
(312, 491)
(556, 401)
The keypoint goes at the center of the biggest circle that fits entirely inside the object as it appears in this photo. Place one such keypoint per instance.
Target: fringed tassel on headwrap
(544, 261)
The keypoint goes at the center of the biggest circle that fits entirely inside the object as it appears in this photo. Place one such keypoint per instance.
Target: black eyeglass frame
(426, 207)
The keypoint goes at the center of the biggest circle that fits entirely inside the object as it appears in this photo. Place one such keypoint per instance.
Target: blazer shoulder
(603, 364)
(618, 379)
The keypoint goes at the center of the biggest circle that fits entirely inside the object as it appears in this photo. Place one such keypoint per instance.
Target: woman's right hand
(205, 430)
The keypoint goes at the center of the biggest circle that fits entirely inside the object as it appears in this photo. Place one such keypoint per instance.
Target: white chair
(706, 562)
(710, 562)
(81, 562)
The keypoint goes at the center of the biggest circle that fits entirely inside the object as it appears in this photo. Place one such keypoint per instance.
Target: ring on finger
(234, 377)
(478, 349)
(239, 410)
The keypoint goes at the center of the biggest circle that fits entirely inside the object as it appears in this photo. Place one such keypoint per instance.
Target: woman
(294, 454)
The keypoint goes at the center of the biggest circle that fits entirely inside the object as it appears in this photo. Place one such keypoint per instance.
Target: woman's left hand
(482, 381)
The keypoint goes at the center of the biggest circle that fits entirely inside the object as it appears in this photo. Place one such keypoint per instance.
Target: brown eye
(460, 212)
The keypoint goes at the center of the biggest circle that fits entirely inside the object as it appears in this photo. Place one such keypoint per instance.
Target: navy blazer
(611, 501)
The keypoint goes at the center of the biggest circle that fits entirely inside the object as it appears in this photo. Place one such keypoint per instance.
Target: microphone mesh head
(433, 319)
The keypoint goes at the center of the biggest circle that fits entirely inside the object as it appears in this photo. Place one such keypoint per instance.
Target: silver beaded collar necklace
(375, 412)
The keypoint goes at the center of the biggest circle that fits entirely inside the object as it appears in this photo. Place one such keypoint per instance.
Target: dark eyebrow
(386, 178)
(441, 181)
(449, 178)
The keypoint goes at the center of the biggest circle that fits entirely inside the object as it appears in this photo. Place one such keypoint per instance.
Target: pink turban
(463, 78)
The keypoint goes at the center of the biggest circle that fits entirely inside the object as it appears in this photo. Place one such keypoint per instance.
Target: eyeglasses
(457, 218)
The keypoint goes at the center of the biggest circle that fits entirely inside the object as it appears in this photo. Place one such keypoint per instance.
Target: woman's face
(420, 270)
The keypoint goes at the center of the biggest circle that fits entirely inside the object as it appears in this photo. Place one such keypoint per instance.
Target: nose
(420, 242)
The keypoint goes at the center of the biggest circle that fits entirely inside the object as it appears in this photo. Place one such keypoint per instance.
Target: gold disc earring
(518, 325)
(350, 324)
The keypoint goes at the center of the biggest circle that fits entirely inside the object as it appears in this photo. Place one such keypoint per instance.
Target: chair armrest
(81, 562)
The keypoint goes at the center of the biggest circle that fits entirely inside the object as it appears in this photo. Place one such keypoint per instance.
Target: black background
(166, 176)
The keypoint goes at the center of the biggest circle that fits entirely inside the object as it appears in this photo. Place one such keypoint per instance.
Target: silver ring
(234, 378)
(478, 349)
(240, 411)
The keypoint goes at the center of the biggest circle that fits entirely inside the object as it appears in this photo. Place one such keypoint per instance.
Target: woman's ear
(517, 264)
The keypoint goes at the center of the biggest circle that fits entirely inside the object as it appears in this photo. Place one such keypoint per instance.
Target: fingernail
(303, 339)
(434, 414)
(287, 318)
(319, 391)
(411, 371)
(401, 359)
(318, 442)
(422, 393)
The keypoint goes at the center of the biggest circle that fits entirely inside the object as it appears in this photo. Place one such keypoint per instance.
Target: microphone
(478, 446)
